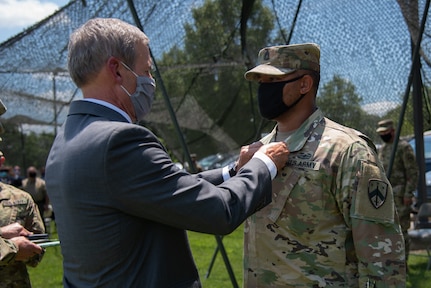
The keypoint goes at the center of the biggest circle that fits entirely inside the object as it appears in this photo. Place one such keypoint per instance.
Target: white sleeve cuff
(225, 173)
(268, 162)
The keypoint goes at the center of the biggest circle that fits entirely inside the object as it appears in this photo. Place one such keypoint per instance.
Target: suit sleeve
(147, 184)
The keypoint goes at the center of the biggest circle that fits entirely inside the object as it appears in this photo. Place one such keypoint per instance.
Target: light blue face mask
(142, 98)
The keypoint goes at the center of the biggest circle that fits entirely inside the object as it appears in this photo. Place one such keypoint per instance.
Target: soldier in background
(36, 187)
(332, 219)
(16, 178)
(404, 174)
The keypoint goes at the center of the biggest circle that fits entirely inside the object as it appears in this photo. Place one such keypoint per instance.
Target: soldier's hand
(246, 153)
(14, 230)
(26, 248)
(278, 153)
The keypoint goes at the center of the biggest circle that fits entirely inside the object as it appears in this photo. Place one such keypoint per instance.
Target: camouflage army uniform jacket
(332, 221)
(18, 206)
(7, 251)
(404, 172)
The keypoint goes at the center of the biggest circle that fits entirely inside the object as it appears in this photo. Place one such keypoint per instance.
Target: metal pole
(418, 129)
(164, 92)
(54, 89)
(415, 59)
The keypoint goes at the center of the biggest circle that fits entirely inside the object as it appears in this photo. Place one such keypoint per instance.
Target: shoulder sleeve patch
(377, 192)
(374, 199)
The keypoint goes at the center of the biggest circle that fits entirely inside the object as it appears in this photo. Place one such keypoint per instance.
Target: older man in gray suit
(122, 206)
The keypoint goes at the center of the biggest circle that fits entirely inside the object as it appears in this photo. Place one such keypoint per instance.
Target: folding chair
(420, 236)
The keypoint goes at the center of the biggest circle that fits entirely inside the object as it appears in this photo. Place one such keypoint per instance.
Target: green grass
(418, 276)
(203, 248)
(49, 272)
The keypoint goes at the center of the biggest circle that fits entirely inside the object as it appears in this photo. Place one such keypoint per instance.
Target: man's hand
(246, 153)
(278, 153)
(26, 248)
(14, 230)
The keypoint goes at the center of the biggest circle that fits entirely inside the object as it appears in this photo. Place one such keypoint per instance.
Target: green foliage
(340, 102)
(24, 149)
(407, 127)
(210, 68)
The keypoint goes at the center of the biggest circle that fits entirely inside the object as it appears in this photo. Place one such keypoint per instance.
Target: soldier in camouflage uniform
(8, 250)
(332, 220)
(17, 208)
(404, 174)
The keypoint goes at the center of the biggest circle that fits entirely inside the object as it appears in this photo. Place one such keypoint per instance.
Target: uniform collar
(297, 140)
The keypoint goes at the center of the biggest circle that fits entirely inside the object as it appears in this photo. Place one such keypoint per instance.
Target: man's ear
(306, 84)
(114, 66)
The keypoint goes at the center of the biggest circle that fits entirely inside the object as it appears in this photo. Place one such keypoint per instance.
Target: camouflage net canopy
(201, 61)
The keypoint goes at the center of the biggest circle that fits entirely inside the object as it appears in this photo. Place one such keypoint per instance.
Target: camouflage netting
(201, 61)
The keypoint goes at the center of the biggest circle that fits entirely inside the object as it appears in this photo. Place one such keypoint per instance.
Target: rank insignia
(377, 192)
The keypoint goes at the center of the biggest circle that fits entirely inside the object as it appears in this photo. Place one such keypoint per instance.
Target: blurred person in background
(5, 174)
(404, 174)
(36, 187)
(16, 178)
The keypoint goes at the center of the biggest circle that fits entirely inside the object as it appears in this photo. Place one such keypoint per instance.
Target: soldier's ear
(306, 84)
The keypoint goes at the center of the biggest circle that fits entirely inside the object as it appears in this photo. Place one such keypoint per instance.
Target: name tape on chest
(14, 203)
(304, 164)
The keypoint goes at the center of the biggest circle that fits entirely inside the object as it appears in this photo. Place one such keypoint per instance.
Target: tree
(205, 78)
(340, 102)
(24, 149)
(407, 128)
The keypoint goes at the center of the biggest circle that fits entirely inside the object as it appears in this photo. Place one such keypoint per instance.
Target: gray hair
(93, 43)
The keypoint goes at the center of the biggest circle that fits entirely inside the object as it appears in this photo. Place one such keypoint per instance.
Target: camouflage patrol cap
(384, 126)
(285, 59)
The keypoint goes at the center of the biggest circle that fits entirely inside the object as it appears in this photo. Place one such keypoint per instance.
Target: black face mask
(270, 98)
(386, 137)
(32, 174)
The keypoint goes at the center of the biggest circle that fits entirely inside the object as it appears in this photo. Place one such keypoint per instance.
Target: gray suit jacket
(122, 206)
